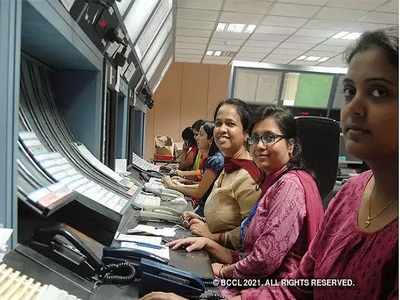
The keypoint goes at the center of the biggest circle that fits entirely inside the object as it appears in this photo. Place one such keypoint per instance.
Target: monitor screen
(345, 158)
(306, 89)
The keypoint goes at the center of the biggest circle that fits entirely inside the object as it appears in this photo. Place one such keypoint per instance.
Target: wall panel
(188, 92)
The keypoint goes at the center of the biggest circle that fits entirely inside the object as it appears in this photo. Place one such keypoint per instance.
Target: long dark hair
(386, 39)
(208, 127)
(287, 125)
(242, 109)
(188, 135)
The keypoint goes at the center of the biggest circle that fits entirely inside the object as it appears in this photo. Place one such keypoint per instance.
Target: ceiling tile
(256, 50)
(333, 13)
(246, 58)
(392, 6)
(292, 10)
(247, 6)
(187, 59)
(329, 48)
(203, 4)
(312, 2)
(359, 4)
(269, 37)
(191, 39)
(218, 41)
(197, 14)
(380, 17)
(284, 51)
(230, 35)
(233, 17)
(193, 32)
(194, 24)
(329, 24)
(216, 60)
(284, 21)
(261, 44)
(295, 45)
(258, 56)
(338, 42)
(316, 32)
(321, 53)
(213, 46)
(179, 51)
(190, 46)
(275, 30)
(305, 39)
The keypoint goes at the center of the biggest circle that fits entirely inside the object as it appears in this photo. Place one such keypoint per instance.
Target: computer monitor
(344, 157)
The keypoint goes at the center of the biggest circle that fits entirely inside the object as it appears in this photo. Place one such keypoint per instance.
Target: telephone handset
(164, 193)
(160, 214)
(63, 244)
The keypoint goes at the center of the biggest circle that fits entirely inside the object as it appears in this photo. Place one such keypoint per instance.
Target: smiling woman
(236, 189)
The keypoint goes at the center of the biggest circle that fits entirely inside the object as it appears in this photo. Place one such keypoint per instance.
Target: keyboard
(143, 164)
(16, 286)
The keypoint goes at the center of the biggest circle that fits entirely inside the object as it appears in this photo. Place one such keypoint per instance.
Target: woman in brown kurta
(236, 189)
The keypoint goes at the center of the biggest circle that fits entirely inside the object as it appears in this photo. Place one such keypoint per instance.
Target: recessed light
(323, 59)
(340, 35)
(217, 53)
(221, 27)
(235, 27)
(209, 52)
(301, 57)
(250, 28)
(312, 58)
(352, 36)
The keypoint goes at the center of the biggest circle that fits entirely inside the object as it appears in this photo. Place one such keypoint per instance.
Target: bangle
(221, 275)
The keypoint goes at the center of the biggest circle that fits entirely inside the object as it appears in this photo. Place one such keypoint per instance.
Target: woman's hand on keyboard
(190, 243)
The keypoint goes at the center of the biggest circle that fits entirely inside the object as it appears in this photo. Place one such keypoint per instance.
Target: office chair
(319, 139)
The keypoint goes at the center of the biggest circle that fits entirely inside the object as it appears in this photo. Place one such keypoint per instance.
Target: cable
(119, 273)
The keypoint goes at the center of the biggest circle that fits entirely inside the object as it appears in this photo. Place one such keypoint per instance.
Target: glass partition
(152, 27)
(137, 16)
(257, 86)
(168, 46)
(157, 43)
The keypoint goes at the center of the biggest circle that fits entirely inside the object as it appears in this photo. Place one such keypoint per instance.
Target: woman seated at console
(236, 189)
(281, 225)
(279, 228)
(189, 150)
(211, 169)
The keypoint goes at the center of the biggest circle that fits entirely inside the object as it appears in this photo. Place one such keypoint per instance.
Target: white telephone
(160, 214)
(161, 191)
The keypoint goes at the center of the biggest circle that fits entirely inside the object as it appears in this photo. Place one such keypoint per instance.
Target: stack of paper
(152, 230)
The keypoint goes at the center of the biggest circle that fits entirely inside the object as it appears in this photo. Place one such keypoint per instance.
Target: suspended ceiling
(285, 29)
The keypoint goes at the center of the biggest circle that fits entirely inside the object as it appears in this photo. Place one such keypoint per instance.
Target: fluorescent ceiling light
(209, 52)
(340, 34)
(323, 59)
(217, 53)
(301, 57)
(221, 27)
(312, 58)
(250, 28)
(352, 36)
(235, 27)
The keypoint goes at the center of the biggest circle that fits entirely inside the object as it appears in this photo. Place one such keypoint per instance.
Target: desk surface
(46, 271)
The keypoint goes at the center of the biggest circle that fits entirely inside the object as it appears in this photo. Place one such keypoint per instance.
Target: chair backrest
(319, 139)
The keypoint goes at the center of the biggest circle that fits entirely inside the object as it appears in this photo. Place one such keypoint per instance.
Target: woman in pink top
(358, 239)
(279, 228)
